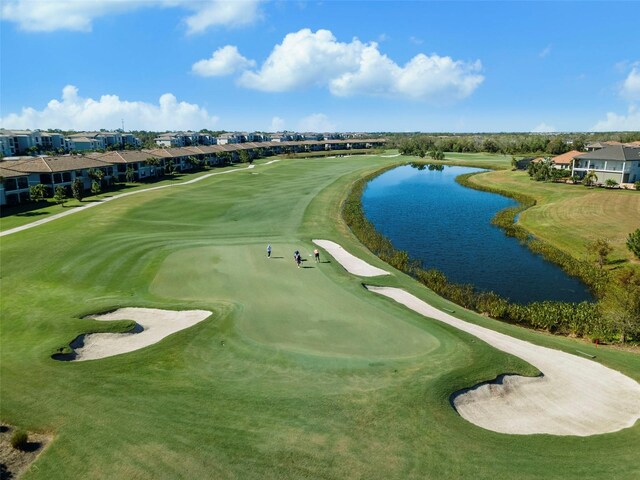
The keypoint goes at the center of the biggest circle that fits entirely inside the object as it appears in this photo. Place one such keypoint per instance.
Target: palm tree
(590, 178)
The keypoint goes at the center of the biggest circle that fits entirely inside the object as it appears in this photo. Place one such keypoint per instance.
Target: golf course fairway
(297, 373)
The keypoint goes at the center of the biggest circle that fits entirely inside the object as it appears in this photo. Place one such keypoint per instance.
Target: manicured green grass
(24, 214)
(483, 160)
(299, 373)
(571, 216)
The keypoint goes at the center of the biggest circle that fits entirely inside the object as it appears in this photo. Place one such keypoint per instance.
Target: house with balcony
(17, 141)
(229, 138)
(564, 161)
(81, 142)
(49, 171)
(620, 163)
(14, 188)
(136, 161)
(169, 140)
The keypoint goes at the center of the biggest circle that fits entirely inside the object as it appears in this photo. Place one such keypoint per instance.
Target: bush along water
(582, 319)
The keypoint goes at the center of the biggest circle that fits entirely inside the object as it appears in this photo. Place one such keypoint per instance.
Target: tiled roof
(9, 173)
(566, 158)
(55, 164)
(126, 156)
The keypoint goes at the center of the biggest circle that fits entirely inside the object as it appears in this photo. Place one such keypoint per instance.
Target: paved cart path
(115, 197)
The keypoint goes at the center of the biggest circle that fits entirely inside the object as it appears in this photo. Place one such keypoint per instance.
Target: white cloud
(277, 124)
(77, 113)
(545, 51)
(234, 13)
(416, 40)
(78, 15)
(543, 128)
(631, 85)
(619, 123)
(317, 122)
(224, 61)
(305, 59)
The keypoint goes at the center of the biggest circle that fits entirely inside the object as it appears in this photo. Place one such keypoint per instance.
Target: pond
(448, 227)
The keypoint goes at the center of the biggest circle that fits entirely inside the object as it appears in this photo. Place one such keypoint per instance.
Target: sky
(373, 66)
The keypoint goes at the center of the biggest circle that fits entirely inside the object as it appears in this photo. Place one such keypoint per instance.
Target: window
(10, 184)
(66, 176)
(23, 182)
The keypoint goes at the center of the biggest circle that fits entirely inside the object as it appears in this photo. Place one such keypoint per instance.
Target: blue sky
(329, 65)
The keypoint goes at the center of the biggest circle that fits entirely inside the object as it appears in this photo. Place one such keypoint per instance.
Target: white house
(620, 163)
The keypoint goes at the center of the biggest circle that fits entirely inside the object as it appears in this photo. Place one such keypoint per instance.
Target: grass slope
(571, 216)
(299, 373)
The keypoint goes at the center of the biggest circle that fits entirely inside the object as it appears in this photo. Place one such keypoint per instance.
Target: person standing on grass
(316, 255)
(269, 251)
(298, 259)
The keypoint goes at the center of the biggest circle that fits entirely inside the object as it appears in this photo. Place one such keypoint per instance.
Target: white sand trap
(156, 324)
(351, 263)
(575, 396)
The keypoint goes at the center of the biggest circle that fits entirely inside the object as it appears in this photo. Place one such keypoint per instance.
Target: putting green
(285, 307)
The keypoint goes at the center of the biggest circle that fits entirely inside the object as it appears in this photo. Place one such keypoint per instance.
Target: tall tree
(77, 189)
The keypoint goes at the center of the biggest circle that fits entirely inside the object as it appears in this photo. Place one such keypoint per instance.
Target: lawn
(299, 373)
(571, 216)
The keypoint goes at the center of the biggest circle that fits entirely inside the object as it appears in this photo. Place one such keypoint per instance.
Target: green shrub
(19, 440)
(633, 242)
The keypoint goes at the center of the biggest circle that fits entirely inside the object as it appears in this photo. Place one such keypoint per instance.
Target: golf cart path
(155, 325)
(574, 395)
(122, 195)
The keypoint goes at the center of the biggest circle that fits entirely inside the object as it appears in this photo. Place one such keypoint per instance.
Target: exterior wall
(85, 145)
(6, 146)
(632, 172)
(604, 169)
(22, 143)
(14, 190)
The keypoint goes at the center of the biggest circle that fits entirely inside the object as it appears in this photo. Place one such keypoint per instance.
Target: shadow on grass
(30, 214)
(24, 210)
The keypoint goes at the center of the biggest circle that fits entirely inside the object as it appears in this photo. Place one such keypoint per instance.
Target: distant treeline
(584, 319)
(509, 144)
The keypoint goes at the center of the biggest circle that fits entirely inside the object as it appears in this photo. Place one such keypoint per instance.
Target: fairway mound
(351, 263)
(573, 396)
(152, 325)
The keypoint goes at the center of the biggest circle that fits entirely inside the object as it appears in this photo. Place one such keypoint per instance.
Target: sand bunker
(350, 263)
(575, 396)
(153, 326)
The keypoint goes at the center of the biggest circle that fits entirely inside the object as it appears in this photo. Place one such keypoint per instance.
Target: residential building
(50, 171)
(620, 163)
(135, 161)
(80, 142)
(565, 161)
(229, 138)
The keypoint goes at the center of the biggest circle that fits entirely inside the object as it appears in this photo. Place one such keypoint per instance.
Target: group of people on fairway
(296, 255)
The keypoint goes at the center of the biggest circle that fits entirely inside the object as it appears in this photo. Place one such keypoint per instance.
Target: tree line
(506, 143)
